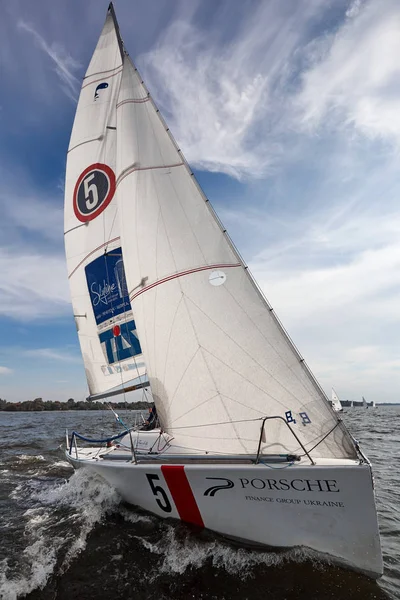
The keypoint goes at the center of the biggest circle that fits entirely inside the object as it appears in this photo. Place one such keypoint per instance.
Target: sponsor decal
(180, 490)
(279, 485)
(289, 417)
(305, 419)
(122, 346)
(302, 486)
(216, 488)
(101, 86)
(93, 191)
(105, 277)
(296, 485)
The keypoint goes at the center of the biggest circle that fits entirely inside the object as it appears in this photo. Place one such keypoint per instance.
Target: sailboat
(336, 404)
(364, 402)
(248, 445)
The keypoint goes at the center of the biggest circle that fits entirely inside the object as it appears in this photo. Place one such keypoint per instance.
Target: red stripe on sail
(181, 274)
(182, 494)
(90, 254)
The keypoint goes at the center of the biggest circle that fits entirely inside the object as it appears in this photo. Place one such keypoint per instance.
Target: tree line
(38, 404)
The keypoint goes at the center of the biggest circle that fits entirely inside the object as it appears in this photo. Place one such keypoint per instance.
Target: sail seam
(101, 79)
(102, 72)
(132, 169)
(182, 274)
(90, 254)
(97, 139)
(133, 101)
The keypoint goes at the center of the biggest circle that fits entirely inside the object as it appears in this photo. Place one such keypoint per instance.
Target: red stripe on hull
(182, 494)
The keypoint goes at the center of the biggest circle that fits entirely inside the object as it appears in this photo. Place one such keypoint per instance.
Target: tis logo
(216, 488)
(101, 86)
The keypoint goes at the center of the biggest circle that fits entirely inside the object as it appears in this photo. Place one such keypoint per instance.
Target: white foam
(87, 499)
(62, 463)
(30, 458)
(179, 554)
(40, 559)
(133, 517)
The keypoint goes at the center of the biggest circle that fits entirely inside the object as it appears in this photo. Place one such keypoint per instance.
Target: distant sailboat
(365, 405)
(336, 404)
(247, 446)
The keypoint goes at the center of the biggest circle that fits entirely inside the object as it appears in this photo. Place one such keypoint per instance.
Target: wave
(57, 523)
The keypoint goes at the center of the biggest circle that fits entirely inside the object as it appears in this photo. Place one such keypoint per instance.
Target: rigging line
(115, 342)
(241, 403)
(210, 371)
(90, 254)
(248, 355)
(246, 379)
(194, 408)
(170, 336)
(325, 436)
(269, 343)
(183, 375)
(220, 423)
(155, 297)
(112, 224)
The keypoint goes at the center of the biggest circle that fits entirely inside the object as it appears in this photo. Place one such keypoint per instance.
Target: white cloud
(53, 354)
(65, 64)
(32, 263)
(5, 371)
(33, 286)
(354, 78)
(343, 313)
(225, 101)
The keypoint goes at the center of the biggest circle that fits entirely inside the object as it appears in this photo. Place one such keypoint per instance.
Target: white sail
(216, 356)
(365, 405)
(336, 404)
(106, 328)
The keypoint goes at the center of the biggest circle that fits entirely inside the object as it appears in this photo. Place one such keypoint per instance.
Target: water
(67, 535)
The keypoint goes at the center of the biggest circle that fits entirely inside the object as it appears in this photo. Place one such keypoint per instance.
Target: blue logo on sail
(122, 346)
(101, 86)
(107, 286)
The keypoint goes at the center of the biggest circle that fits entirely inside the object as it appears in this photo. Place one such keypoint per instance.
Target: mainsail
(104, 319)
(336, 404)
(218, 359)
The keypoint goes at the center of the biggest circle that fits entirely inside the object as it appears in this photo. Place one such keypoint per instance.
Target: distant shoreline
(39, 405)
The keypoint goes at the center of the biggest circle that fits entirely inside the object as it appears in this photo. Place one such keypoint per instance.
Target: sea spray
(79, 503)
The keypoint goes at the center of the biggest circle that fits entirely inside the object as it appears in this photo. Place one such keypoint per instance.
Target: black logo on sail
(216, 488)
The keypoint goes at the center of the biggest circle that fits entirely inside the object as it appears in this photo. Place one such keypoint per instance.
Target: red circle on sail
(93, 191)
(116, 330)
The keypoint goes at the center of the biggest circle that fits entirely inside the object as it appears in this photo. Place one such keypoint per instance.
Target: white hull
(314, 506)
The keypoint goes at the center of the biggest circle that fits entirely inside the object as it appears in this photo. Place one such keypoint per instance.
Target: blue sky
(290, 114)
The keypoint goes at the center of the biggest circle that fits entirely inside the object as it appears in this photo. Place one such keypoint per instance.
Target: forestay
(103, 315)
(216, 356)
